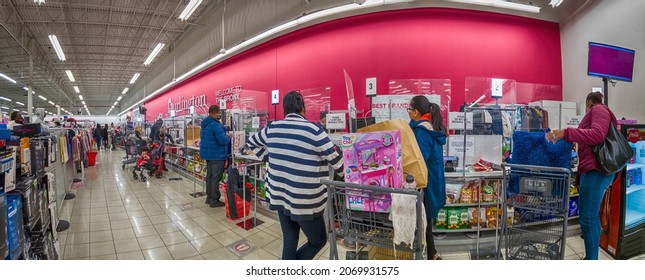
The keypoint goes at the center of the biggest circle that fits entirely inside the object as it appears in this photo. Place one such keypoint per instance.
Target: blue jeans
(98, 142)
(314, 231)
(592, 189)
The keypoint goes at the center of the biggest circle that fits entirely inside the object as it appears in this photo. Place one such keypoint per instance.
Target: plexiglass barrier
(395, 104)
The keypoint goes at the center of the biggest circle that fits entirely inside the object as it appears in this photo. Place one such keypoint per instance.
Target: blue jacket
(214, 141)
(431, 145)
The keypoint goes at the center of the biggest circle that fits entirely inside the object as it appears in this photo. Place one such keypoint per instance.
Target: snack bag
(453, 192)
(476, 217)
(463, 218)
(488, 193)
(442, 219)
(475, 186)
(491, 217)
(453, 218)
(466, 195)
(511, 214)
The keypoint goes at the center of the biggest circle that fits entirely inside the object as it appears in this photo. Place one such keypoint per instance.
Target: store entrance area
(116, 217)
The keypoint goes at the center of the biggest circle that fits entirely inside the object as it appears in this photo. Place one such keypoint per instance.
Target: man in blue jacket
(213, 149)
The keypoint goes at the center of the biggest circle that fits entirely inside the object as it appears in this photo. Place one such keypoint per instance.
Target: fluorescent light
(80, 97)
(57, 48)
(42, 97)
(39, 2)
(25, 88)
(50, 102)
(125, 90)
(119, 99)
(116, 102)
(134, 78)
(70, 76)
(57, 106)
(6, 108)
(154, 53)
(83, 102)
(190, 8)
(516, 6)
(4, 98)
(20, 103)
(555, 3)
(7, 78)
(24, 112)
(76, 89)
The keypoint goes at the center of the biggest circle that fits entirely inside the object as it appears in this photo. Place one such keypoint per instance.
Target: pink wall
(434, 43)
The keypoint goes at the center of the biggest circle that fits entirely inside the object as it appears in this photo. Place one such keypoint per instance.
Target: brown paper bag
(413, 162)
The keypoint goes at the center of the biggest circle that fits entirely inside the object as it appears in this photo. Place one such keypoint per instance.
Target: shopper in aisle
(427, 123)
(98, 134)
(299, 153)
(155, 129)
(212, 148)
(592, 131)
(15, 119)
(106, 136)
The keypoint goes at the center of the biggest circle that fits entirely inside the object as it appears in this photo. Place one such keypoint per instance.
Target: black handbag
(612, 154)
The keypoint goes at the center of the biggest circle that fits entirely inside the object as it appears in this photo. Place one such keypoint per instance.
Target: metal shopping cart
(372, 231)
(535, 215)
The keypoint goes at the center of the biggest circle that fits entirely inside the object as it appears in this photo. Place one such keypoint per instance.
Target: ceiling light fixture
(125, 90)
(7, 78)
(154, 53)
(50, 102)
(39, 2)
(83, 102)
(42, 97)
(57, 48)
(134, 78)
(70, 76)
(502, 4)
(6, 108)
(119, 99)
(190, 8)
(555, 3)
(20, 103)
(4, 98)
(76, 89)
(116, 102)
(80, 97)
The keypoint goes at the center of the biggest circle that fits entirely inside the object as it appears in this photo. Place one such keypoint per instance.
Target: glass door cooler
(622, 213)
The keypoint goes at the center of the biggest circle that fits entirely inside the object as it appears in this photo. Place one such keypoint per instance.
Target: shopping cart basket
(372, 231)
(535, 216)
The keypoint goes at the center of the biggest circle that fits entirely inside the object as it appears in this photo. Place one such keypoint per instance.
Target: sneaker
(217, 203)
(208, 201)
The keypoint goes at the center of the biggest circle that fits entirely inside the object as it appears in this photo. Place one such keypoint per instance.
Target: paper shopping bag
(413, 163)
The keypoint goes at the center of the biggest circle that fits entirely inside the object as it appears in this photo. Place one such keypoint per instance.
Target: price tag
(496, 87)
(222, 104)
(255, 122)
(456, 120)
(275, 97)
(172, 113)
(370, 86)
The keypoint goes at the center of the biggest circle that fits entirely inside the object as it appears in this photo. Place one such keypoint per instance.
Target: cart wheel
(143, 179)
(159, 175)
(135, 176)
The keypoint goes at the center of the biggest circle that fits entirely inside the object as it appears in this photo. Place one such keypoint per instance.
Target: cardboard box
(193, 134)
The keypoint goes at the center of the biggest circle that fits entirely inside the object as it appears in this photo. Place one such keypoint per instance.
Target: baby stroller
(150, 160)
(132, 150)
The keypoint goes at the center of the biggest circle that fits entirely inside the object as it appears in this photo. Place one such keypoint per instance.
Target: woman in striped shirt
(299, 153)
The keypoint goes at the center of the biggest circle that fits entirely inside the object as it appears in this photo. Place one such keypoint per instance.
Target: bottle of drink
(410, 183)
(638, 177)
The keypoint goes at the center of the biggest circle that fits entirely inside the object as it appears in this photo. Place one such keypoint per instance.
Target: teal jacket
(431, 145)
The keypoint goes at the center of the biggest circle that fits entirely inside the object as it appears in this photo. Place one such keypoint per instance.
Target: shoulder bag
(612, 154)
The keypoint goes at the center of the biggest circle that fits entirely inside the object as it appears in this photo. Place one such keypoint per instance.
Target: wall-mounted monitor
(611, 62)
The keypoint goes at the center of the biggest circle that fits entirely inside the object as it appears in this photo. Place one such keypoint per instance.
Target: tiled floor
(117, 217)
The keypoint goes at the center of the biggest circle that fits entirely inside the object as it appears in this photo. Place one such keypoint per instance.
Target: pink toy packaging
(373, 159)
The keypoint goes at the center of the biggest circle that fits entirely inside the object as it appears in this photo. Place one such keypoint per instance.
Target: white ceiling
(106, 42)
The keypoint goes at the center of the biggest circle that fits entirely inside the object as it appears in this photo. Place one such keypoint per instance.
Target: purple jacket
(592, 131)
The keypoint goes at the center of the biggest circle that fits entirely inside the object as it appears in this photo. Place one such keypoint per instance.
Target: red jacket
(592, 131)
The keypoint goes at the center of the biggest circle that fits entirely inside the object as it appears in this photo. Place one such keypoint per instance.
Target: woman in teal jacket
(430, 132)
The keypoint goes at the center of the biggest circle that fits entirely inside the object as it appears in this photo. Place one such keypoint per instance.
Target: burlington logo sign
(184, 104)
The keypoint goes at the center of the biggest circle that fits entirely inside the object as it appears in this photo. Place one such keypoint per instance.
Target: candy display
(441, 222)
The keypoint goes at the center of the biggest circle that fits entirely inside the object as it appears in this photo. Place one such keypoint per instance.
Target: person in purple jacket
(592, 131)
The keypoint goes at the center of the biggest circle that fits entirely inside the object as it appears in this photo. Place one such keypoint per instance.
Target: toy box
(373, 159)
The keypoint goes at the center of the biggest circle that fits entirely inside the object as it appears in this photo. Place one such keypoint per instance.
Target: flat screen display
(612, 62)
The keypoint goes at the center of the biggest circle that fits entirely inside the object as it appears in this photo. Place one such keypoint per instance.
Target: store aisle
(117, 217)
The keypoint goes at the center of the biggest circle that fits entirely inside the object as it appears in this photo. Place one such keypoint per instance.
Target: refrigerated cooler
(622, 213)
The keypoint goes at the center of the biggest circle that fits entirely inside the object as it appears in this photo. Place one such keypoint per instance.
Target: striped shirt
(299, 153)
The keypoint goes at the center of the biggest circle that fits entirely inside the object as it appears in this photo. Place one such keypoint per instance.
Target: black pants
(214, 172)
(314, 231)
(430, 249)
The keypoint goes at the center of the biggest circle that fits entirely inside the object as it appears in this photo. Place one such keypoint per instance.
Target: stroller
(150, 160)
(132, 150)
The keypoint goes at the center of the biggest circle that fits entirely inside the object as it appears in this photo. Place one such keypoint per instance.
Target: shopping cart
(132, 150)
(535, 215)
(372, 231)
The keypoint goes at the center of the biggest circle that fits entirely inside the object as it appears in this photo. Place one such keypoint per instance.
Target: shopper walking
(592, 131)
(98, 134)
(427, 123)
(298, 154)
(106, 136)
(155, 129)
(213, 149)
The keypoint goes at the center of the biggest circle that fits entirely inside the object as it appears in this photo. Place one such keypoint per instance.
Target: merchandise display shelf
(185, 173)
(635, 165)
(463, 230)
(472, 204)
(633, 218)
(634, 188)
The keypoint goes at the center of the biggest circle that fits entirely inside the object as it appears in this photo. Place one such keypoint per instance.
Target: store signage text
(229, 94)
(184, 104)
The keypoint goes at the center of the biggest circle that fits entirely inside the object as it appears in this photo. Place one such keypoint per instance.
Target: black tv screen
(612, 62)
